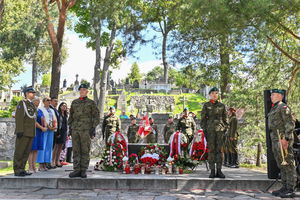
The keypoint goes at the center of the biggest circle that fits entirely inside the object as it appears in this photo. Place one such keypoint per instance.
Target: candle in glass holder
(143, 170)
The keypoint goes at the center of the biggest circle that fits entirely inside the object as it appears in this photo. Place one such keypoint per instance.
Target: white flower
(125, 158)
(170, 159)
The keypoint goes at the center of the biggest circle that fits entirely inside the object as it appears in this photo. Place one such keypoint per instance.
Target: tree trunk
(164, 58)
(56, 40)
(103, 83)
(258, 156)
(55, 74)
(34, 73)
(97, 67)
(164, 31)
(225, 67)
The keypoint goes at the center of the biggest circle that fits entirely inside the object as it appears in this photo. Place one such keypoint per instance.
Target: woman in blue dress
(44, 156)
(37, 143)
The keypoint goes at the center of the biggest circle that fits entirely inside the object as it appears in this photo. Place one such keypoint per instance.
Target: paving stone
(165, 198)
(49, 191)
(89, 194)
(108, 197)
(243, 197)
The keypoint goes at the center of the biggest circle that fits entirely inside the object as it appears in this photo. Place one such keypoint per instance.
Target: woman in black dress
(61, 133)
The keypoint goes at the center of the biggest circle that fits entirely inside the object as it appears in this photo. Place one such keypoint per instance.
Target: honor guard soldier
(214, 124)
(281, 126)
(83, 120)
(132, 131)
(233, 137)
(25, 131)
(169, 129)
(186, 124)
(111, 124)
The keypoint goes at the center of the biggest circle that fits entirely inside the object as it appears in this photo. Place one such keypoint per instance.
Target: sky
(81, 61)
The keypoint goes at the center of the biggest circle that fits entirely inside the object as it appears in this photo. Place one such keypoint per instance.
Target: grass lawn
(262, 168)
(8, 170)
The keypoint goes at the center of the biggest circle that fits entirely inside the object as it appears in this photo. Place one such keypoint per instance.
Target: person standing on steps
(83, 120)
(281, 126)
(214, 124)
(25, 131)
(233, 136)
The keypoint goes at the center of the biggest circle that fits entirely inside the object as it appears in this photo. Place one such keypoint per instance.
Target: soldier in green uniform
(281, 128)
(152, 137)
(226, 151)
(111, 124)
(233, 136)
(83, 120)
(169, 129)
(214, 124)
(132, 131)
(25, 131)
(187, 125)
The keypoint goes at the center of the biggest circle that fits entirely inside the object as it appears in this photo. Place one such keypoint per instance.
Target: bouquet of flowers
(133, 159)
(153, 154)
(111, 159)
(178, 144)
(199, 150)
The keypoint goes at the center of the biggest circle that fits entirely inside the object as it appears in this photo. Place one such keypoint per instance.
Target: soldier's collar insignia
(82, 98)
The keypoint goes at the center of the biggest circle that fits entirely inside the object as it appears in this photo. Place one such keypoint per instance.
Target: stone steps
(118, 181)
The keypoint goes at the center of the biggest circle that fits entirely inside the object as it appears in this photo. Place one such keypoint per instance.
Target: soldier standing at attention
(214, 124)
(281, 128)
(25, 131)
(169, 129)
(111, 124)
(152, 137)
(132, 131)
(186, 124)
(233, 136)
(83, 120)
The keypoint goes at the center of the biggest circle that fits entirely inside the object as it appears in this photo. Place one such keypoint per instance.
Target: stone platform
(236, 179)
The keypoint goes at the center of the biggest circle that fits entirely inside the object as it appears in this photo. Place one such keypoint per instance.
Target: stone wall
(7, 137)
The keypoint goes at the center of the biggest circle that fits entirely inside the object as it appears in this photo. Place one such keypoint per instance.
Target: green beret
(186, 108)
(111, 107)
(277, 91)
(83, 86)
(171, 117)
(214, 89)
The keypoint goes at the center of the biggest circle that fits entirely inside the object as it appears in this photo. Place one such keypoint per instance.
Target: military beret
(214, 89)
(171, 116)
(186, 108)
(133, 118)
(277, 91)
(29, 89)
(83, 86)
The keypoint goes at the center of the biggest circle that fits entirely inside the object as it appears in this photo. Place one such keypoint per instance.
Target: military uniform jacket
(280, 120)
(213, 117)
(84, 115)
(169, 129)
(25, 118)
(111, 124)
(187, 125)
(232, 131)
(131, 133)
(152, 137)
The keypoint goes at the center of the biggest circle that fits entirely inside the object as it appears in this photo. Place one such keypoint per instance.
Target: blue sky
(81, 61)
